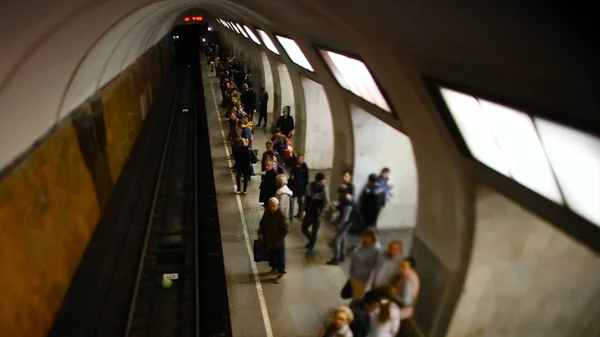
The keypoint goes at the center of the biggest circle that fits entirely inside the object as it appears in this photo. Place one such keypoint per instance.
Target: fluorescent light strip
(518, 140)
(242, 30)
(234, 27)
(268, 42)
(354, 76)
(575, 159)
(294, 52)
(539, 154)
(252, 35)
(475, 130)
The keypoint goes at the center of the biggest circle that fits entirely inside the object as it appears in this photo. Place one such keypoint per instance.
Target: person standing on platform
(273, 229)
(298, 182)
(262, 106)
(388, 266)
(316, 201)
(268, 183)
(363, 261)
(286, 122)
(371, 201)
(284, 195)
(249, 100)
(242, 166)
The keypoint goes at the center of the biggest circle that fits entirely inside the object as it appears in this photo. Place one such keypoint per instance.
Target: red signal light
(197, 18)
(186, 19)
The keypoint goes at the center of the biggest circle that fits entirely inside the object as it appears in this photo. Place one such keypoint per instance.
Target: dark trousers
(406, 328)
(260, 118)
(238, 175)
(312, 224)
(277, 259)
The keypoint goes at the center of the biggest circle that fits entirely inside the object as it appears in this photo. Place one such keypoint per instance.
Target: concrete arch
(343, 137)
(446, 216)
(85, 27)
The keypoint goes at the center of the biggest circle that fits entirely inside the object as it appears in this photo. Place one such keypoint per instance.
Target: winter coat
(274, 227)
(284, 195)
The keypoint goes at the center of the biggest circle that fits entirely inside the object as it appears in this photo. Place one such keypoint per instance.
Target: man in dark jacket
(262, 106)
(298, 182)
(243, 165)
(316, 201)
(249, 100)
(273, 229)
(268, 185)
(361, 309)
(286, 122)
(372, 200)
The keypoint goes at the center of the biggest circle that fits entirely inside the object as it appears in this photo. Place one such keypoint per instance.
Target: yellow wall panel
(48, 211)
(123, 120)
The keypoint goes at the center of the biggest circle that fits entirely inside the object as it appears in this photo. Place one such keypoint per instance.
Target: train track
(169, 236)
(164, 221)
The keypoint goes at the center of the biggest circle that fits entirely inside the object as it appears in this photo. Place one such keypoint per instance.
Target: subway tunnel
(486, 115)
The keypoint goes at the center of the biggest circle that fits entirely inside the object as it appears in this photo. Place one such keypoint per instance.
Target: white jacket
(284, 195)
(389, 328)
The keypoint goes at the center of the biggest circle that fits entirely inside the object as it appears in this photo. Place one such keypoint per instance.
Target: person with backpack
(316, 201)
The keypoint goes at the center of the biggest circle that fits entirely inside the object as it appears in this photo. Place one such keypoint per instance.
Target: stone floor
(301, 302)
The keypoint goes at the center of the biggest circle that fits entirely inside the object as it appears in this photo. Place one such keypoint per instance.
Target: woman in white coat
(385, 320)
(283, 194)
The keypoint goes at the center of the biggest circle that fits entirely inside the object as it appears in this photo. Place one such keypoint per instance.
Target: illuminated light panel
(575, 159)
(267, 41)
(522, 149)
(294, 52)
(253, 36)
(186, 19)
(241, 30)
(234, 27)
(354, 76)
(475, 129)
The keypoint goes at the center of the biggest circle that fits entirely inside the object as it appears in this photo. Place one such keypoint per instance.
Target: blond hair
(345, 310)
(281, 180)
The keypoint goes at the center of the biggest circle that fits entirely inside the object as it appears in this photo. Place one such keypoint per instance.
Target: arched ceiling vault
(56, 53)
(73, 52)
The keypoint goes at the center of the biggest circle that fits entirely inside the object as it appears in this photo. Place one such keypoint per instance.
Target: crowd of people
(383, 284)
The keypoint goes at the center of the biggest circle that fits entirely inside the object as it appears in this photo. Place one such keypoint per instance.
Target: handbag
(260, 253)
(346, 292)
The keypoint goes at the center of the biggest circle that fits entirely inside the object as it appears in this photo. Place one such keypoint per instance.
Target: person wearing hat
(316, 201)
(347, 208)
(371, 201)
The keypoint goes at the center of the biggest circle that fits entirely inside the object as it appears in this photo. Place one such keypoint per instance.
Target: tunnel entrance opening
(187, 40)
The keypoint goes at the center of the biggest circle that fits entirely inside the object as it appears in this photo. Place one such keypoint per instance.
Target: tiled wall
(287, 89)
(526, 278)
(378, 145)
(51, 201)
(319, 126)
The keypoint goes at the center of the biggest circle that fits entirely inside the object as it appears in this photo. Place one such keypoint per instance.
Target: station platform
(300, 303)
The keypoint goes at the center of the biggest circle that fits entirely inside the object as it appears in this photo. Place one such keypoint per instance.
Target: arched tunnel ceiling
(56, 53)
